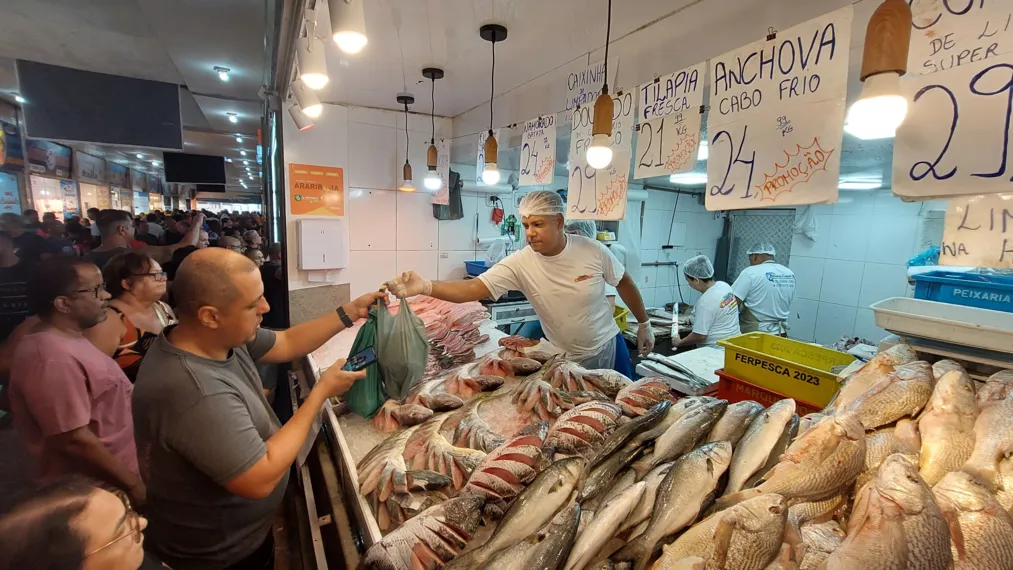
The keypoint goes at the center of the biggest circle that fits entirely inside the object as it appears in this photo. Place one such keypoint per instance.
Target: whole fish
(524, 366)
(383, 469)
(734, 423)
(536, 505)
(998, 387)
(875, 540)
(785, 559)
(537, 396)
(780, 446)
(546, 549)
(981, 531)
(993, 441)
(679, 498)
(878, 446)
(428, 449)
(941, 367)
(626, 432)
(602, 527)
(626, 479)
(582, 429)
(872, 371)
(431, 539)
(642, 512)
(803, 511)
(411, 414)
(947, 426)
(676, 411)
(441, 402)
(753, 450)
(819, 540)
(644, 394)
(683, 435)
(604, 475)
(825, 459)
(506, 469)
(608, 382)
(747, 536)
(474, 432)
(925, 528)
(809, 420)
(902, 393)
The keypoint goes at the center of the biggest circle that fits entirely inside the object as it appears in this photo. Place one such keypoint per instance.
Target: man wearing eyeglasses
(71, 402)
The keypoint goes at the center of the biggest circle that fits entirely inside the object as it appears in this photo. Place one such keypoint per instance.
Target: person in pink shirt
(70, 401)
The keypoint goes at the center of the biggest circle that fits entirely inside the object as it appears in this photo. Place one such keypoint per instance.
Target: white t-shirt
(567, 292)
(716, 314)
(767, 290)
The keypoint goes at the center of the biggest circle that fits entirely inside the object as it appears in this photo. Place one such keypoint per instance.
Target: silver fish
(683, 435)
(553, 549)
(676, 411)
(605, 523)
(780, 446)
(754, 448)
(734, 423)
(981, 531)
(602, 476)
(652, 481)
(625, 433)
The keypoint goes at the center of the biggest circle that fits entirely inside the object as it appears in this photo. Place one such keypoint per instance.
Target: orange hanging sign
(316, 190)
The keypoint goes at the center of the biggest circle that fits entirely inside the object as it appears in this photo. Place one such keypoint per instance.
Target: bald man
(215, 457)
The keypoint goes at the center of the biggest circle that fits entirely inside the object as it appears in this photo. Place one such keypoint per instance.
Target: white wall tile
(882, 282)
(802, 321)
(659, 200)
(833, 322)
(891, 239)
(848, 238)
(669, 275)
(648, 294)
(372, 156)
(677, 235)
(855, 203)
(370, 269)
(417, 229)
(649, 255)
(648, 277)
(801, 245)
(665, 294)
(865, 326)
(842, 282)
(887, 204)
(372, 217)
(370, 116)
(450, 264)
(422, 262)
(808, 276)
(655, 232)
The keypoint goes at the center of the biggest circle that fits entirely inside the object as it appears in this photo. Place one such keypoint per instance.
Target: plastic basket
(796, 369)
(620, 314)
(993, 292)
(734, 390)
(475, 268)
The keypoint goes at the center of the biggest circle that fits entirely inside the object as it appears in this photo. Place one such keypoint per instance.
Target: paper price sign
(538, 151)
(955, 140)
(978, 232)
(442, 196)
(669, 131)
(777, 117)
(951, 33)
(600, 194)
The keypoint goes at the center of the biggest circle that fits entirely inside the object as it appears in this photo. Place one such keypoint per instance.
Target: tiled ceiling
(175, 41)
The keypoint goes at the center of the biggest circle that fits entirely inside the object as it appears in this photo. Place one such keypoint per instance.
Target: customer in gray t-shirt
(213, 455)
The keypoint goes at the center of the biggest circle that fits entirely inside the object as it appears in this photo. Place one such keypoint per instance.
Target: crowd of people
(129, 368)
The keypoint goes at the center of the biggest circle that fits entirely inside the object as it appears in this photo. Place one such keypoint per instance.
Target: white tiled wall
(857, 259)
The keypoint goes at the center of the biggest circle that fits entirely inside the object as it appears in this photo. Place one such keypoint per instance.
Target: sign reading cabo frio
(316, 190)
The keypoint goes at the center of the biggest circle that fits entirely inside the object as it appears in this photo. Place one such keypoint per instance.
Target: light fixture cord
(406, 134)
(492, 93)
(608, 39)
(432, 114)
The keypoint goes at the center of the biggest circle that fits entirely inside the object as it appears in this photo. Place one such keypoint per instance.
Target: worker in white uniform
(765, 291)
(716, 314)
(563, 277)
(589, 229)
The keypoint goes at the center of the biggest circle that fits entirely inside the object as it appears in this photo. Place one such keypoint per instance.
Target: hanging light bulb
(881, 108)
(306, 99)
(491, 173)
(432, 180)
(407, 182)
(599, 154)
(310, 55)
(302, 122)
(348, 24)
(492, 33)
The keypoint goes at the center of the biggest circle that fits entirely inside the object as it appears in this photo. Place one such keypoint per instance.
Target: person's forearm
(82, 448)
(283, 447)
(460, 291)
(691, 339)
(630, 295)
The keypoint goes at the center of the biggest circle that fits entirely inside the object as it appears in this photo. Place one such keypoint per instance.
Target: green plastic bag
(401, 349)
(366, 396)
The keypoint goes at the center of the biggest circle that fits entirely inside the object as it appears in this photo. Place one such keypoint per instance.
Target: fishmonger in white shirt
(716, 315)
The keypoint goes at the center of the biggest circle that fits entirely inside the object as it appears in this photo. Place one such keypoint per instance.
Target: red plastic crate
(735, 390)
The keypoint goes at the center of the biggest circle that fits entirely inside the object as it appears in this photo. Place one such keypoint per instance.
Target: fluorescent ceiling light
(223, 73)
(242, 153)
(860, 185)
(704, 151)
(688, 179)
(239, 139)
(139, 155)
(233, 118)
(155, 163)
(19, 98)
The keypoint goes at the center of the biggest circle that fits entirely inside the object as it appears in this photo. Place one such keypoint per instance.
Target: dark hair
(37, 533)
(30, 212)
(122, 266)
(90, 210)
(215, 226)
(108, 219)
(54, 277)
(177, 258)
(177, 217)
(49, 216)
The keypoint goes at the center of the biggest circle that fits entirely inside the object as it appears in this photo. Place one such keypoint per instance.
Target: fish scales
(585, 426)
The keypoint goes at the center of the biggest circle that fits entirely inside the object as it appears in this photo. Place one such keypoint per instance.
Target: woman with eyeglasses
(71, 525)
(136, 312)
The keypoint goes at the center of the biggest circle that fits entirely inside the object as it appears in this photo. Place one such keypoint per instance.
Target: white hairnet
(586, 228)
(762, 249)
(541, 203)
(698, 267)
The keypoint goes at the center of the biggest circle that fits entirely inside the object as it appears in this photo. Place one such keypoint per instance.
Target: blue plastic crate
(475, 268)
(993, 292)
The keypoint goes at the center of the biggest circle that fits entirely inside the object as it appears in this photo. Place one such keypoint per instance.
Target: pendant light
(348, 24)
(599, 154)
(310, 55)
(307, 100)
(407, 184)
(881, 108)
(432, 181)
(492, 33)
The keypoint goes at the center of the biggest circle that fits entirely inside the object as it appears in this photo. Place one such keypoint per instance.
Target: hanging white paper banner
(978, 232)
(584, 86)
(442, 196)
(480, 164)
(668, 133)
(600, 194)
(538, 151)
(953, 33)
(777, 117)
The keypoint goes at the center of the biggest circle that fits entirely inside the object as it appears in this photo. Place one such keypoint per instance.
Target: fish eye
(775, 510)
(912, 478)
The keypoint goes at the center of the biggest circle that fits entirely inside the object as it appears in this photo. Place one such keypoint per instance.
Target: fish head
(898, 481)
(782, 410)
(719, 456)
(463, 512)
(763, 513)
(963, 492)
(954, 389)
(567, 471)
(917, 370)
(906, 437)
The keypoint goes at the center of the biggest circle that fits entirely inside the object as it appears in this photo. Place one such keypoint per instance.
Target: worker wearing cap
(716, 314)
(563, 276)
(765, 291)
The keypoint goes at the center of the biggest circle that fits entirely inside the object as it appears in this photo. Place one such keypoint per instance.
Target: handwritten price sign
(777, 117)
(950, 33)
(669, 129)
(600, 194)
(442, 196)
(978, 232)
(538, 151)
